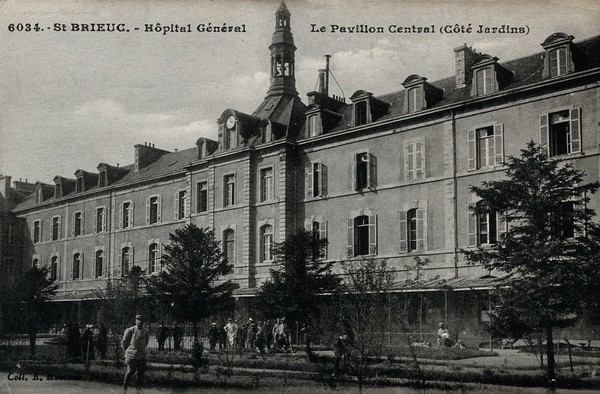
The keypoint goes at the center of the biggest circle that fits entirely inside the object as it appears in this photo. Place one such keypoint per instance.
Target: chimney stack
(464, 57)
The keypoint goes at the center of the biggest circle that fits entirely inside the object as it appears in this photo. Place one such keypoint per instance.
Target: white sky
(72, 100)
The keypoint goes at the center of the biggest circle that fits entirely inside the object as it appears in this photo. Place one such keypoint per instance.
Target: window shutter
(352, 173)
(159, 209)
(58, 265)
(472, 225)
(350, 237)
(132, 216)
(131, 257)
(373, 234)
(421, 160)
(121, 216)
(308, 180)
(96, 221)
(147, 210)
(59, 227)
(323, 180)
(176, 205)
(308, 225)
(323, 235)
(403, 234)
(501, 225)
(499, 144)
(41, 230)
(372, 175)
(575, 143)
(472, 150)
(185, 205)
(148, 257)
(81, 264)
(408, 163)
(82, 223)
(73, 225)
(420, 230)
(544, 132)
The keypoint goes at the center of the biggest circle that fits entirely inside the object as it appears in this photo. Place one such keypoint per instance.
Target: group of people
(261, 336)
(164, 333)
(82, 344)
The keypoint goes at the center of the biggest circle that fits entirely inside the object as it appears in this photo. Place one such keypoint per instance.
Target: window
(485, 228)
(78, 224)
(566, 219)
(99, 263)
(315, 180)
(415, 99)
(484, 81)
(37, 231)
(313, 130)
(180, 204)
(558, 62)
(58, 190)
(102, 179)
(125, 260)
(76, 266)
(35, 262)
(561, 131)
(414, 161)
(153, 209)
(153, 257)
(56, 228)
(486, 147)
(266, 184)
(54, 268)
(229, 190)
(202, 200)
(266, 243)
(364, 171)
(362, 235)
(413, 228)
(318, 229)
(229, 246)
(127, 214)
(39, 196)
(100, 220)
(79, 184)
(360, 113)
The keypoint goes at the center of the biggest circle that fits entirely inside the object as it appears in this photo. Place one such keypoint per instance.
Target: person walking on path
(161, 336)
(231, 329)
(134, 342)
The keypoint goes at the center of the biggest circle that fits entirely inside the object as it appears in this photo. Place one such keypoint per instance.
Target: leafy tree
(191, 280)
(302, 276)
(548, 258)
(34, 290)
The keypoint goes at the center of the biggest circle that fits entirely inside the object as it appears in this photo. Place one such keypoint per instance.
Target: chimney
(321, 88)
(5, 182)
(464, 58)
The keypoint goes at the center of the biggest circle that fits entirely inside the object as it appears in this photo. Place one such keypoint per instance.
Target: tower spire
(283, 79)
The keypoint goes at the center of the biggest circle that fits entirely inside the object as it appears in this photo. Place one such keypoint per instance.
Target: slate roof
(526, 71)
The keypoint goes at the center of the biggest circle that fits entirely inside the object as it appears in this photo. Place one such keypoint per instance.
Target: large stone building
(380, 176)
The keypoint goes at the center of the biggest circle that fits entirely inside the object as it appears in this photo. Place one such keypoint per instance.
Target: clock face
(230, 122)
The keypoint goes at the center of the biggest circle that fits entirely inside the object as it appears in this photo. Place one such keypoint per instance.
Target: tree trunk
(550, 357)
(195, 330)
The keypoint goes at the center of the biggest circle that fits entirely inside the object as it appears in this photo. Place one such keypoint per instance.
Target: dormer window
(490, 76)
(360, 113)
(313, 126)
(58, 192)
(415, 99)
(39, 197)
(558, 60)
(79, 185)
(102, 180)
(420, 94)
(484, 81)
(230, 137)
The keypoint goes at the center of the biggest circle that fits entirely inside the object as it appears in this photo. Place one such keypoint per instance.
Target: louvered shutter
(81, 264)
(95, 224)
(501, 225)
(73, 224)
(59, 227)
(575, 142)
(420, 229)
(471, 136)
(176, 205)
(544, 132)
(58, 268)
(472, 225)
(352, 174)
(132, 215)
(148, 257)
(373, 234)
(408, 162)
(350, 234)
(121, 213)
(147, 210)
(82, 223)
(498, 144)
(323, 180)
(308, 181)
(159, 209)
(372, 171)
(421, 160)
(403, 233)
(323, 235)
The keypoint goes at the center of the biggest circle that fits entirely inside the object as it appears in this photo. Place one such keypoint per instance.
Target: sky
(70, 100)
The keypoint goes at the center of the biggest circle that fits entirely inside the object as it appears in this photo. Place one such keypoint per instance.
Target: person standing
(134, 342)
(103, 341)
(87, 345)
(177, 336)
(213, 336)
(231, 330)
(161, 336)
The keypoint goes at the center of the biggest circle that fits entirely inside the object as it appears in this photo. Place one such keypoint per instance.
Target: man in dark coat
(213, 336)
(103, 341)
(161, 336)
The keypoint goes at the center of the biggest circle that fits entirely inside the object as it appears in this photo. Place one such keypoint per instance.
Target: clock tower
(283, 79)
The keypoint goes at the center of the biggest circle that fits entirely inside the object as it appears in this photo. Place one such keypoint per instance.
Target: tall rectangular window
(558, 62)
(413, 229)
(229, 190)
(56, 228)
(153, 209)
(362, 235)
(153, 257)
(266, 184)
(180, 204)
(360, 113)
(561, 131)
(102, 179)
(78, 224)
(127, 214)
(486, 147)
(202, 197)
(364, 171)
(99, 263)
(266, 243)
(315, 180)
(76, 266)
(79, 185)
(100, 221)
(484, 80)
(54, 268)
(414, 161)
(37, 231)
(229, 246)
(312, 126)
(415, 100)
(125, 260)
